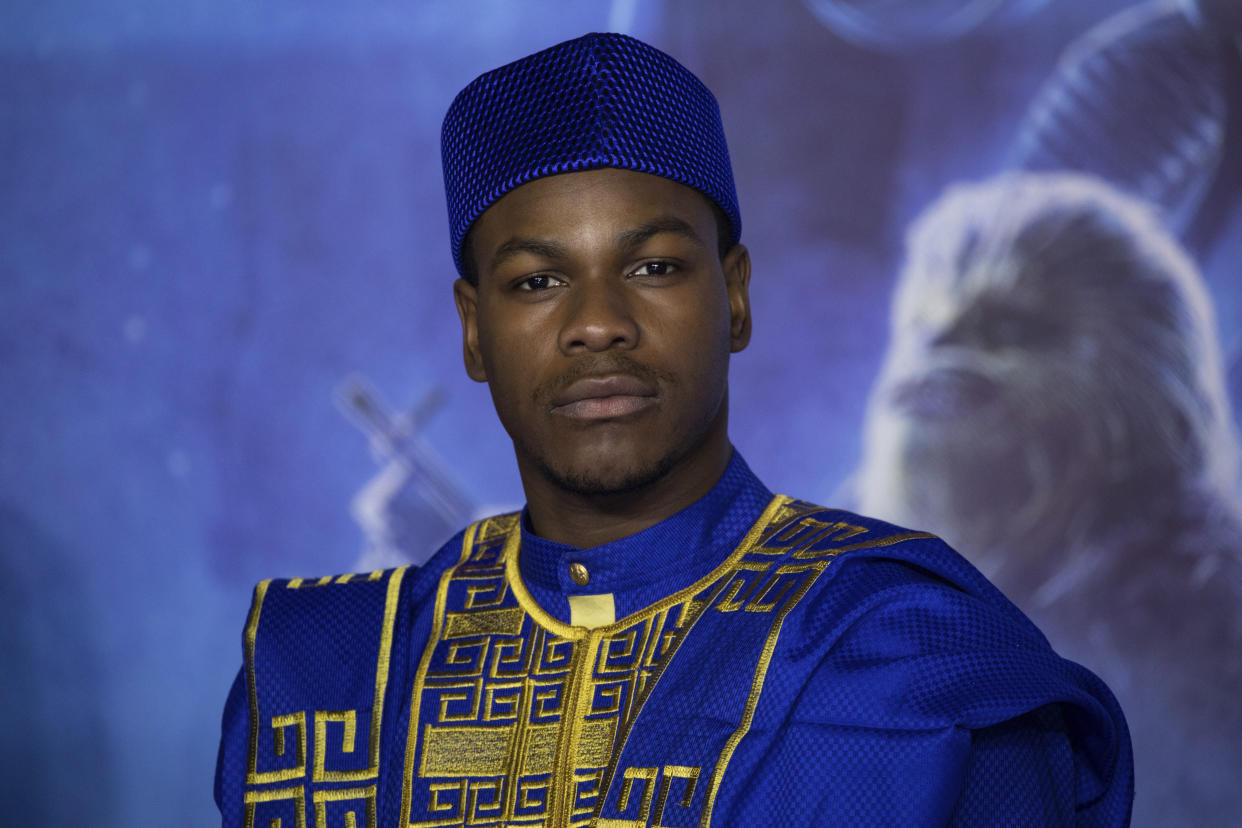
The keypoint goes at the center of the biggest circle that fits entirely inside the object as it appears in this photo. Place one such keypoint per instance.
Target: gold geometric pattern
(348, 803)
(652, 787)
(335, 735)
(285, 801)
(519, 719)
(514, 714)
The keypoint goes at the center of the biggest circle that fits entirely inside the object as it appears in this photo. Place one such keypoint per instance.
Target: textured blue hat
(601, 100)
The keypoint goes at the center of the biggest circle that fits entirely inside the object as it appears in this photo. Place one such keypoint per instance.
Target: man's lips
(604, 398)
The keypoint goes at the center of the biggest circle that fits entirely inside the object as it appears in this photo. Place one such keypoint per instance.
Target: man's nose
(600, 317)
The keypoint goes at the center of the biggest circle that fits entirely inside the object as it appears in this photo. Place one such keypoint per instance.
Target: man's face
(602, 322)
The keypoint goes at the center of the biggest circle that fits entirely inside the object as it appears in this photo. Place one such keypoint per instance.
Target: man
(656, 639)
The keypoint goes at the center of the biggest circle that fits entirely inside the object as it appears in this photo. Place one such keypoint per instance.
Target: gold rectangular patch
(487, 751)
(592, 611)
(485, 622)
(540, 748)
(465, 751)
(595, 742)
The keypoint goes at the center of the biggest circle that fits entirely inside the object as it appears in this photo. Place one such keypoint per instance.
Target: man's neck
(588, 520)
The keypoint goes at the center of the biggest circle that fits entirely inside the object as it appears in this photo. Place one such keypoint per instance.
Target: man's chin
(605, 479)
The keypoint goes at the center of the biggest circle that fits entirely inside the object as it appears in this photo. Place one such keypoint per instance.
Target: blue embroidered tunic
(752, 660)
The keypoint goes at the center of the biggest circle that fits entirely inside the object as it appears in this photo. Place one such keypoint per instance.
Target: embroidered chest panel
(514, 714)
(519, 719)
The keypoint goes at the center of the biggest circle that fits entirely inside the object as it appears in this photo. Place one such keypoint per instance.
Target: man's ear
(736, 266)
(466, 296)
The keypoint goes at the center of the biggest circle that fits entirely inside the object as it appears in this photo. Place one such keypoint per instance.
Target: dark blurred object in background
(1149, 101)
(904, 24)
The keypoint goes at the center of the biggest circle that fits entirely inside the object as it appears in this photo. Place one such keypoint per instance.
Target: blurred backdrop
(997, 294)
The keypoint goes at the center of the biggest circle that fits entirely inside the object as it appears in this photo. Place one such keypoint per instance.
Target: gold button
(579, 573)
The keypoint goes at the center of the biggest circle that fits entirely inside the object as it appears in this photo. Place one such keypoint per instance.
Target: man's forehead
(608, 208)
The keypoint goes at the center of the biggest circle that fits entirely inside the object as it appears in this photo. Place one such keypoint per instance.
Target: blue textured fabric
(643, 568)
(904, 690)
(601, 100)
(840, 671)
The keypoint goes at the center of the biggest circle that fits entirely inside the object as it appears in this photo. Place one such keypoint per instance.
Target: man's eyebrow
(518, 245)
(626, 240)
(635, 236)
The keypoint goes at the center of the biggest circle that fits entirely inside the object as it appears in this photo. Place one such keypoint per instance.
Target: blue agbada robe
(751, 660)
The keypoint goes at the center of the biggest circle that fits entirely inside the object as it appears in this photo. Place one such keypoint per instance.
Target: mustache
(601, 365)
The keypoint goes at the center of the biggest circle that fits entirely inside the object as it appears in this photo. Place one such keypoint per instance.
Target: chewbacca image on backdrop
(1053, 403)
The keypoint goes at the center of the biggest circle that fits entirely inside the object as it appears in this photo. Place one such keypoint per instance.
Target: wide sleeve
(942, 698)
(1020, 772)
(1048, 743)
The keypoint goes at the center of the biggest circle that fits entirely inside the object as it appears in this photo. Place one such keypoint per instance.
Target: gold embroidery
(248, 641)
(443, 787)
(296, 795)
(300, 583)
(657, 783)
(519, 718)
(692, 611)
(485, 751)
(671, 772)
(527, 799)
(345, 795)
(578, 704)
(485, 800)
(460, 702)
(489, 622)
(739, 588)
(347, 719)
(279, 723)
(799, 533)
(785, 512)
(648, 775)
(761, 672)
(533, 710)
(491, 594)
(871, 544)
(473, 532)
(595, 742)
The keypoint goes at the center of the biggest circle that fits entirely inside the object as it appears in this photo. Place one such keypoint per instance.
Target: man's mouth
(604, 398)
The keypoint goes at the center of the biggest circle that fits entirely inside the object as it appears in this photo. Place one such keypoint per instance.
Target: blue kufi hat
(601, 100)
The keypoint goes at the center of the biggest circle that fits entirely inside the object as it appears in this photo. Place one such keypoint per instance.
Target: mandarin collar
(681, 548)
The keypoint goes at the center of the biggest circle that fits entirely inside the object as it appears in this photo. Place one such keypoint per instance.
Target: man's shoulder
(323, 638)
(837, 536)
(899, 618)
(883, 569)
(355, 585)
(785, 510)
(296, 605)
(376, 591)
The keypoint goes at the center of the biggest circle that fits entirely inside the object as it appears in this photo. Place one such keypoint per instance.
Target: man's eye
(655, 269)
(538, 282)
